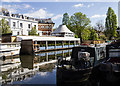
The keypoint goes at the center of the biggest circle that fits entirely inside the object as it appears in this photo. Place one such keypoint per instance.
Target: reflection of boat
(72, 76)
(78, 69)
(109, 70)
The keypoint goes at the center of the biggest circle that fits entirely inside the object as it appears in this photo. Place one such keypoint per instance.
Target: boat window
(114, 53)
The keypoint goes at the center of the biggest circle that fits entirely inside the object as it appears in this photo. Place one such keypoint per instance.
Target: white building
(63, 31)
(19, 24)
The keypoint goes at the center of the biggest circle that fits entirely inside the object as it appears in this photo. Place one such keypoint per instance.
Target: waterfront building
(63, 31)
(61, 35)
(19, 24)
(45, 26)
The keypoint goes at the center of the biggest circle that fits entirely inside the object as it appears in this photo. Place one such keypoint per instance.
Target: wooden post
(46, 45)
(62, 44)
(74, 43)
(55, 44)
(46, 56)
(69, 44)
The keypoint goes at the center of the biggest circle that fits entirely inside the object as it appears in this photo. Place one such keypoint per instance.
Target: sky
(95, 10)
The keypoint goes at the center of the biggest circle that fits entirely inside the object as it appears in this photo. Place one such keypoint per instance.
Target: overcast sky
(96, 10)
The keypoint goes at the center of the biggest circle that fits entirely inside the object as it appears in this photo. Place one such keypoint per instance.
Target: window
(18, 24)
(28, 25)
(21, 25)
(17, 33)
(42, 26)
(14, 24)
(47, 27)
(35, 26)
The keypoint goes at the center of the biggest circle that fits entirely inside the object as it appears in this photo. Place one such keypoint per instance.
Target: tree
(111, 24)
(4, 27)
(65, 20)
(86, 34)
(33, 31)
(93, 35)
(100, 29)
(78, 22)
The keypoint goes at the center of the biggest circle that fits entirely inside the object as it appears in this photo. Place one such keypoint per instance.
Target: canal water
(38, 70)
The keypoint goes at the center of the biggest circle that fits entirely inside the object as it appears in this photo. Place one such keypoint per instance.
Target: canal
(40, 69)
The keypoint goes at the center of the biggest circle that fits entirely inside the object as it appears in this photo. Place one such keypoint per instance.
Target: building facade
(19, 24)
(45, 26)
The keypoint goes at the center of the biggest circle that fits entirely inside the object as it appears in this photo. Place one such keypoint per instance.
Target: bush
(103, 37)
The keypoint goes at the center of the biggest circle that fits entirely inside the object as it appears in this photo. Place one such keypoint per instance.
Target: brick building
(45, 26)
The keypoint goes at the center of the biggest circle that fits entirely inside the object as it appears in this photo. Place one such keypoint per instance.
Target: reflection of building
(63, 31)
(19, 24)
(45, 26)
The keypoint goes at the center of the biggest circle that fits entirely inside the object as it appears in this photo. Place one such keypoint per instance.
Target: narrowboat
(107, 73)
(78, 68)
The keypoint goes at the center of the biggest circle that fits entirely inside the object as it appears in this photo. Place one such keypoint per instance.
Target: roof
(45, 21)
(50, 38)
(62, 29)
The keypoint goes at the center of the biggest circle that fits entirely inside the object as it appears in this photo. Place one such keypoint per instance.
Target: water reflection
(41, 76)
(32, 69)
(27, 61)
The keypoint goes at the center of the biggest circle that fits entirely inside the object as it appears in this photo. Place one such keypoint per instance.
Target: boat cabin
(113, 52)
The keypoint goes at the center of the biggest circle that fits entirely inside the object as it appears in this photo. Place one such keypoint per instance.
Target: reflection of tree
(47, 67)
(4, 76)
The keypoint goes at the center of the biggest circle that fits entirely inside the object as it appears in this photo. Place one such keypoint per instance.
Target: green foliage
(111, 24)
(93, 35)
(65, 20)
(103, 37)
(78, 22)
(4, 27)
(76, 36)
(4, 76)
(33, 31)
(86, 34)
